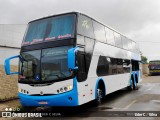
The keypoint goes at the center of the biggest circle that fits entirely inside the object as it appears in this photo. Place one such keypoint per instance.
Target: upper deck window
(118, 41)
(52, 28)
(85, 26)
(99, 32)
(109, 36)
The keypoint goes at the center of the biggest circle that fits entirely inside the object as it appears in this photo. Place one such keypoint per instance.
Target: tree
(144, 59)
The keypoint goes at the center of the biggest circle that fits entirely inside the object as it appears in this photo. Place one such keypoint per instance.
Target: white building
(11, 36)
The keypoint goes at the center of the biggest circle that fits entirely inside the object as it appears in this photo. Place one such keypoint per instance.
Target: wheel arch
(100, 81)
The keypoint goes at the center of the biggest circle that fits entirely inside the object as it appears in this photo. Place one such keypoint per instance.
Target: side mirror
(7, 65)
(72, 58)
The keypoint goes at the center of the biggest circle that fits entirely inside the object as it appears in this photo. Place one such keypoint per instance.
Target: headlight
(61, 89)
(19, 90)
(70, 87)
(23, 91)
(65, 89)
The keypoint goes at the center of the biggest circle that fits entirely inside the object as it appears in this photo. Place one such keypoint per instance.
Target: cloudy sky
(137, 19)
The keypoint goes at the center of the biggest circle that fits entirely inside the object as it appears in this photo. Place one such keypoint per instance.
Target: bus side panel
(113, 83)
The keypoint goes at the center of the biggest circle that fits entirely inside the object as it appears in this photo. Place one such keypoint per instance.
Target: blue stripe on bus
(72, 57)
(52, 100)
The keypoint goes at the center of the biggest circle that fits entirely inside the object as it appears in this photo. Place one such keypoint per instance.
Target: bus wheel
(99, 95)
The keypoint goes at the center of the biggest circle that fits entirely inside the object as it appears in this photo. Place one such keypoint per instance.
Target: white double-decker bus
(70, 59)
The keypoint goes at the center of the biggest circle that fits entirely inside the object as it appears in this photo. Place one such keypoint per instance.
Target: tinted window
(89, 45)
(113, 66)
(126, 66)
(30, 64)
(103, 66)
(109, 36)
(99, 32)
(81, 62)
(85, 26)
(80, 40)
(119, 66)
(54, 63)
(124, 42)
(118, 41)
(58, 27)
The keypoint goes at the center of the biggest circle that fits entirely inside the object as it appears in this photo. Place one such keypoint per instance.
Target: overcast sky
(137, 19)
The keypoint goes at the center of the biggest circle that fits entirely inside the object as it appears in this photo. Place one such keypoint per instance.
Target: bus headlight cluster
(65, 89)
(23, 91)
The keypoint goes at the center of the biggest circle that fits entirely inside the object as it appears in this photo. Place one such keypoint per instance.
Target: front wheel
(99, 96)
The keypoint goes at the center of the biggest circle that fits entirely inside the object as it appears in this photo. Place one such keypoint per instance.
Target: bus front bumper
(64, 99)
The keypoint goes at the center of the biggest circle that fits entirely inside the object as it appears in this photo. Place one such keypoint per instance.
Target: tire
(99, 96)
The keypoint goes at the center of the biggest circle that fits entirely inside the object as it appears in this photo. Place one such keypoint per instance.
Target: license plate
(43, 102)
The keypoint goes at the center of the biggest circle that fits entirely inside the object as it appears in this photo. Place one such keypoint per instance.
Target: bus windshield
(45, 65)
(53, 28)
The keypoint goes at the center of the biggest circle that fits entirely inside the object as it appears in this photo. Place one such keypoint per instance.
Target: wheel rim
(99, 96)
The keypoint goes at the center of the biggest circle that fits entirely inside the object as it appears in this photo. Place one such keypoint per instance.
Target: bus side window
(81, 66)
(103, 66)
(119, 66)
(126, 66)
(113, 66)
